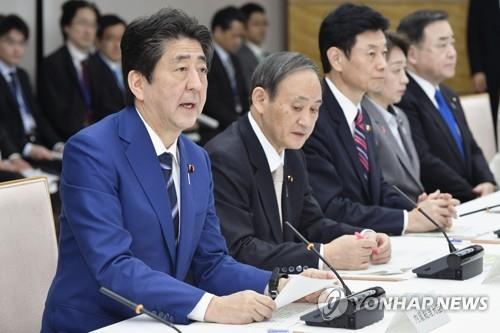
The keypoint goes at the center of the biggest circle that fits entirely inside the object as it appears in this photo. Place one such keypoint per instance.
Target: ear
(335, 58)
(412, 55)
(260, 99)
(136, 82)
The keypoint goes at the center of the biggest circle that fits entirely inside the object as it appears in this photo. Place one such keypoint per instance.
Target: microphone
(479, 210)
(138, 308)
(458, 265)
(352, 312)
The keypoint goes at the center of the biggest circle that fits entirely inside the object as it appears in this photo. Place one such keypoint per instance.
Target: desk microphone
(138, 308)
(458, 265)
(361, 308)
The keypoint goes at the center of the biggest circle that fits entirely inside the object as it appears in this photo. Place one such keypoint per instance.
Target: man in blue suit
(341, 160)
(138, 211)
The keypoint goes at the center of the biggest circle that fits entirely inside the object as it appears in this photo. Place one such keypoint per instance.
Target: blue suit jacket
(116, 231)
(336, 175)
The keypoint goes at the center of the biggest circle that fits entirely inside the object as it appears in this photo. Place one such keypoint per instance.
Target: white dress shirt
(77, 56)
(256, 50)
(427, 87)
(198, 312)
(350, 111)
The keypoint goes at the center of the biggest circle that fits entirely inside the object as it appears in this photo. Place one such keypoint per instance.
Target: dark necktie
(450, 121)
(24, 109)
(85, 87)
(166, 165)
(361, 146)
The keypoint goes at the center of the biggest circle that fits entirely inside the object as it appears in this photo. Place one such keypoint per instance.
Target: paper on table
(299, 286)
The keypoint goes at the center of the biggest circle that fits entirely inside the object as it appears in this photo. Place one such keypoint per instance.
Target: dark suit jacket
(248, 62)
(336, 175)
(441, 165)
(399, 167)
(10, 115)
(117, 231)
(246, 203)
(220, 103)
(108, 97)
(60, 95)
(7, 148)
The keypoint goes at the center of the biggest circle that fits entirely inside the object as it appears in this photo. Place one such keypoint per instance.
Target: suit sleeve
(7, 148)
(328, 187)
(433, 169)
(234, 207)
(215, 106)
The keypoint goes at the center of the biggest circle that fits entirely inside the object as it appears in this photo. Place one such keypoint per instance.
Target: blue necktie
(17, 93)
(119, 78)
(166, 165)
(450, 121)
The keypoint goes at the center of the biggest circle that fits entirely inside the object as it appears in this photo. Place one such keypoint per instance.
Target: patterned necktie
(450, 121)
(360, 140)
(166, 165)
(26, 116)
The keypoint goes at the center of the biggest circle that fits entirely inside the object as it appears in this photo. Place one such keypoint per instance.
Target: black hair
(413, 25)
(14, 22)
(224, 17)
(143, 42)
(249, 8)
(106, 21)
(395, 40)
(340, 28)
(69, 10)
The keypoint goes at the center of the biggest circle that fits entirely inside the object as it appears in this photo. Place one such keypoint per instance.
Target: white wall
(203, 10)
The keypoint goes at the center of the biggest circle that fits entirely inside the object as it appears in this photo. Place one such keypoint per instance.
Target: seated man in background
(29, 132)
(341, 155)
(109, 94)
(10, 168)
(138, 210)
(251, 52)
(450, 159)
(395, 150)
(65, 83)
(261, 179)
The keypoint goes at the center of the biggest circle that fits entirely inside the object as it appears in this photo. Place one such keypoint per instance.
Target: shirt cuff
(27, 149)
(198, 312)
(405, 221)
(14, 156)
(58, 146)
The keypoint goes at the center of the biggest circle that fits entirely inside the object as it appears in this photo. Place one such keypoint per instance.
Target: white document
(299, 286)
(51, 179)
(493, 275)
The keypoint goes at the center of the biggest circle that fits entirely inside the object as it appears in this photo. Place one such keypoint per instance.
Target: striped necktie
(361, 146)
(166, 165)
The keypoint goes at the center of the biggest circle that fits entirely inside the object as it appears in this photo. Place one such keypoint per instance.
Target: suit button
(305, 267)
(298, 269)
(291, 269)
(283, 269)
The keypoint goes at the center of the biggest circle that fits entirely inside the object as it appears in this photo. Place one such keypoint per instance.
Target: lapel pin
(290, 179)
(190, 171)
(368, 128)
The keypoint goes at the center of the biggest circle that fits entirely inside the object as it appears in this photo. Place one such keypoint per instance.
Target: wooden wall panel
(305, 16)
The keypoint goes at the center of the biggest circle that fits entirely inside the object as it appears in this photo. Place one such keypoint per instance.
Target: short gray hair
(276, 67)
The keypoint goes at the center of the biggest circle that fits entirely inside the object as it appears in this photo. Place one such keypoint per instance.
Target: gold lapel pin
(290, 179)
(368, 128)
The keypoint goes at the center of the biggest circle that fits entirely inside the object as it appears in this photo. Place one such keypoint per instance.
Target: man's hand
(382, 253)
(39, 153)
(18, 164)
(479, 82)
(240, 308)
(348, 252)
(440, 207)
(484, 189)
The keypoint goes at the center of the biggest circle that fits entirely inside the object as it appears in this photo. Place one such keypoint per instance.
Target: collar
(274, 159)
(257, 50)
(223, 54)
(349, 109)
(388, 117)
(427, 87)
(6, 70)
(76, 54)
(114, 65)
(157, 143)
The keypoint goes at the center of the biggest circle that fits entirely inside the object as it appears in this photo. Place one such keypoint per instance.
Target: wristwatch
(272, 286)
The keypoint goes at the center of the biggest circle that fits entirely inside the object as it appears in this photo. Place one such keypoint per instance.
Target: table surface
(460, 321)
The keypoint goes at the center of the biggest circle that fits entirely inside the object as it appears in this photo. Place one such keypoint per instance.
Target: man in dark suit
(261, 179)
(227, 94)
(65, 83)
(396, 152)
(341, 160)
(138, 208)
(109, 94)
(450, 159)
(483, 29)
(27, 128)
(251, 52)
(9, 169)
